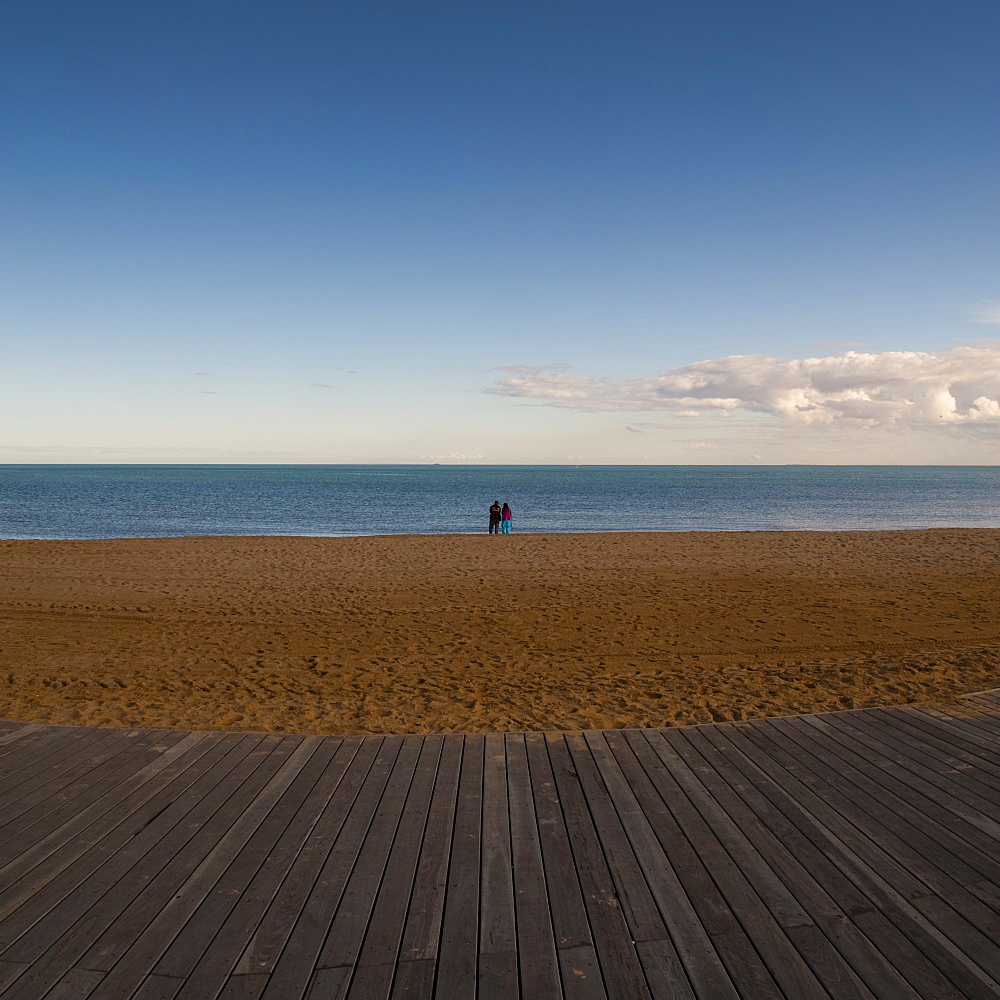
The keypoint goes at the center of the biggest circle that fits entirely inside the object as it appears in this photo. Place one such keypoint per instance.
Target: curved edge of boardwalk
(848, 855)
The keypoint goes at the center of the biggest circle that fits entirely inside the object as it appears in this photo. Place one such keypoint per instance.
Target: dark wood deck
(851, 855)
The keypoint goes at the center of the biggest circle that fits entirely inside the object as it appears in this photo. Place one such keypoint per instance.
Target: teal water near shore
(136, 501)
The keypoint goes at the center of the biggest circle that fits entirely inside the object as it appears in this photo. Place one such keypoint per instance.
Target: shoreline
(443, 633)
(519, 532)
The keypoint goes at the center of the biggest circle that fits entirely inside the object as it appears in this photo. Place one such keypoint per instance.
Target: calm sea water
(134, 501)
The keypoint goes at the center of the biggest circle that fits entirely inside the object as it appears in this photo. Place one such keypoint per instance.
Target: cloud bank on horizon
(956, 388)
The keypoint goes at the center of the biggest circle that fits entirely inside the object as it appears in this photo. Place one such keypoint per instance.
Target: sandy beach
(480, 633)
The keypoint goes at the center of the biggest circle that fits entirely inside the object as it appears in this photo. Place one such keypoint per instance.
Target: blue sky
(310, 231)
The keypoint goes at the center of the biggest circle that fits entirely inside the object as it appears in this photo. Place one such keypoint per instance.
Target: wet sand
(478, 633)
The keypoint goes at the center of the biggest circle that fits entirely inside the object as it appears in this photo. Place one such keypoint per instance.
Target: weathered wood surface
(850, 855)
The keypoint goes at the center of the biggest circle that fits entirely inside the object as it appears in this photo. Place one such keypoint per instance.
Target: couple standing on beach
(501, 519)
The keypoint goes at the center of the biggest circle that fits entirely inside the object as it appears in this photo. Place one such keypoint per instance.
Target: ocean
(139, 501)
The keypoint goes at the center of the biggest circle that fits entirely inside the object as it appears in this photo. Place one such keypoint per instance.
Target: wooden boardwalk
(850, 855)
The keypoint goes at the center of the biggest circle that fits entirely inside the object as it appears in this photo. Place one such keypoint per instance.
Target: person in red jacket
(506, 520)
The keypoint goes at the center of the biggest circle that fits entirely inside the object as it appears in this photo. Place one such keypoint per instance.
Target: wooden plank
(95, 833)
(983, 704)
(127, 917)
(950, 788)
(75, 985)
(655, 905)
(835, 902)
(37, 736)
(205, 965)
(346, 935)
(579, 968)
(414, 974)
(855, 826)
(891, 730)
(34, 769)
(497, 975)
(686, 956)
(956, 911)
(620, 968)
(892, 890)
(707, 936)
(954, 776)
(380, 952)
(966, 707)
(769, 914)
(414, 980)
(43, 816)
(666, 808)
(536, 943)
(57, 941)
(50, 741)
(25, 773)
(840, 955)
(157, 988)
(863, 839)
(16, 732)
(863, 860)
(269, 939)
(294, 966)
(931, 851)
(41, 805)
(9, 971)
(976, 730)
(972, 740)
(970, 717)
(234, 885)
(962, 849)
(329, 983)
(955, 789)
(900, 931)
(243, 988)
(970, 726)
(956, 737)
(60, 771)
(965, 738)
(638, 907)
(74, 850)
(130, 949)
(459, 951)
(30, 742)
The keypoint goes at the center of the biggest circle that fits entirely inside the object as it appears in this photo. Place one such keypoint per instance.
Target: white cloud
(957, 387)
(555, 366)
(537, 383)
